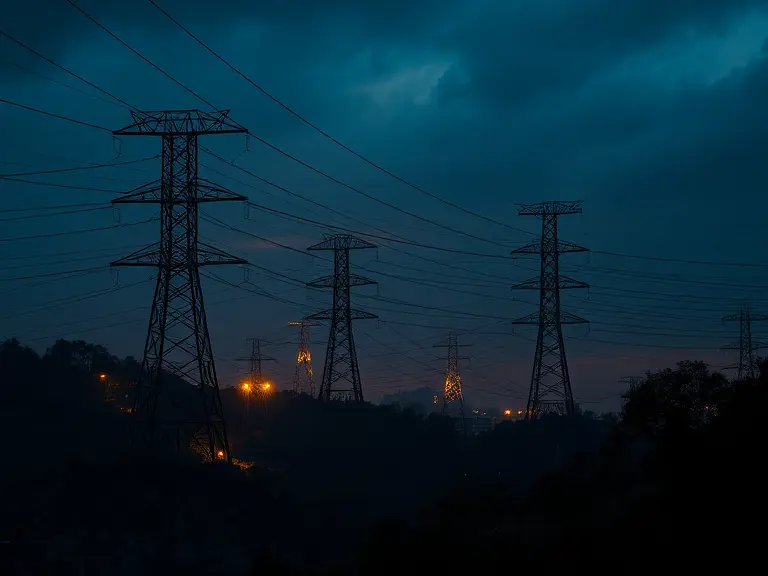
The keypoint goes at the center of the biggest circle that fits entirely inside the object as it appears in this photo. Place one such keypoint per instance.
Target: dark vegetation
(675, 482)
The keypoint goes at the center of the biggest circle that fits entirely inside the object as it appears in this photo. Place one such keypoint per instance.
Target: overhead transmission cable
(71, 232)
(273, 147)
(196, 95)
(53, 115)
(60, 67)
(79, 168)
(323, 132)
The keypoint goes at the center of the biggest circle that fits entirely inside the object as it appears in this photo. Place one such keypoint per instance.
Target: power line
(69, 253)
(60, 67)
(55, 207)
(370, 196)
(137, 53)
(50, 214)
(58, 82)
(52, 274)
(179, 83)
(52, 115)
(71, 232)
(368, 234)
(326, 134)
(79, 168)
(272, 146)
(682, 261)
(57, 185)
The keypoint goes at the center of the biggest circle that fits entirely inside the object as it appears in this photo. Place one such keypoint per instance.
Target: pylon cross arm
(342, 242)
(328, 281)
(208, 255)
(552, 207)
(564, 283)
(562, 248)
(181, 123)
(568, 318)
(148, 256)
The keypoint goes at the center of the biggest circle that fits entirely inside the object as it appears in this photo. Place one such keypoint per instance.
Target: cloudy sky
(652, 112)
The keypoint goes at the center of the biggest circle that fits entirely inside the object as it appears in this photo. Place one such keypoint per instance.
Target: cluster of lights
(247, 387)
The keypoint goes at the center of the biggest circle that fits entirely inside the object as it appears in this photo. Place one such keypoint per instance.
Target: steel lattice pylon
(747, 346)
(178, 343)
(341, 376)
(550, 389)
(303, 380)
(453, 396)
(255, 382)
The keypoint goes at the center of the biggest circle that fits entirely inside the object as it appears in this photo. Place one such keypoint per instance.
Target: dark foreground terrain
(676, 482)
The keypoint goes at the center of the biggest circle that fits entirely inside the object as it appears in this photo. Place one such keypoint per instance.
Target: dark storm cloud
(548, 37)
(517, 51)
(50, 25)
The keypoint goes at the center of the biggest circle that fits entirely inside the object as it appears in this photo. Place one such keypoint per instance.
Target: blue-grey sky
(652, 112)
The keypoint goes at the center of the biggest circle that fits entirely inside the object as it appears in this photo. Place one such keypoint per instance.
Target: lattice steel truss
(178, 342)
(255, 383)
(304, 380)
(453, 396)
(550, 389)
(747, 346)
(341, 376)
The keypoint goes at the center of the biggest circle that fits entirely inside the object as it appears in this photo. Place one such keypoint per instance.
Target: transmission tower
(550, 389)
(631, 382)
(255, 383)
(747, 367)
(178, 344)
(341, 376)
(453, 396)
(303, 380)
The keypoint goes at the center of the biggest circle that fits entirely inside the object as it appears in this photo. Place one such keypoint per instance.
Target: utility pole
(303, 380)
(453, 396)
(341, 376)
(178, 344)
(747, 367)
(550, 389)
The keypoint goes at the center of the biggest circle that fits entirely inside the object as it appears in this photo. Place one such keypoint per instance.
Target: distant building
(479, 422)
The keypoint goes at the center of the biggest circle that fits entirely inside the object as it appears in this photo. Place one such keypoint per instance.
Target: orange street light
(266, 386)
(102, 376)
(507, 412)
(220, 454)
(246, 387)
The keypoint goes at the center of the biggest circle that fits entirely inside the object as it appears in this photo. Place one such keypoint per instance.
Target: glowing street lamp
(508, 413)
